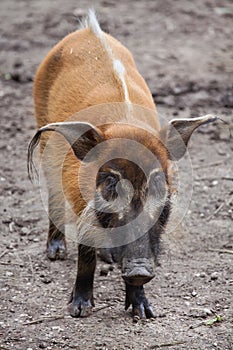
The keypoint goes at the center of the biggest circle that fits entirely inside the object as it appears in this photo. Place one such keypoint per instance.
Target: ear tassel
(227, 125)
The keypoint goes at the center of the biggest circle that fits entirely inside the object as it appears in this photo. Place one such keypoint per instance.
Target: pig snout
(137, 271)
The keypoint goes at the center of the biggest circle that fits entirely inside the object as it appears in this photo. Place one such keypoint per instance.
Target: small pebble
(207, 311)
(104, 270)
(202, 274)
(9, 273)
(24, 230)
(18, 63)
(214, 276)
(194, 293)
(46, 280)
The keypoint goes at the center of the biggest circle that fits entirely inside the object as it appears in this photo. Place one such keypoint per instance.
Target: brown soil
(184, 50)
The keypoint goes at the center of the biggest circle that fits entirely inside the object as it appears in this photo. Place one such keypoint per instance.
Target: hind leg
(56, 242)
(110, 255)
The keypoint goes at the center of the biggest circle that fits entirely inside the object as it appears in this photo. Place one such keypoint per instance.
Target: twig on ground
(209, 322)
(44, 318)
(222, 251)
(196, 325)
(4, 253)
(30, 200)
(210, 164)
(229, 178)
(11, 226)
(216, 211)
(159, 346)
(31, 267)
(2, 347)
(102, 307)
(226, 202)
(10, 263)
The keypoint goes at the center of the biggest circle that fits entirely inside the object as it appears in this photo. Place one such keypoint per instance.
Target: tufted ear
(82, 137)
(177, 133)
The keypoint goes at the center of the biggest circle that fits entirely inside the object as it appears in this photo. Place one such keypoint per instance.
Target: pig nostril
(137, 271)
(137, 280)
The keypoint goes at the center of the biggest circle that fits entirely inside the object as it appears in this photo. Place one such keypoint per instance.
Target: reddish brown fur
(70, 171)
(76, 74)
(92, 74)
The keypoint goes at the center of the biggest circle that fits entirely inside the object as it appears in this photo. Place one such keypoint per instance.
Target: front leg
(82, 300)
(141, 307)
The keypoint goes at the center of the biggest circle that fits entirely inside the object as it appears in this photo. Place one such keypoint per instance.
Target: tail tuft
(30, 164)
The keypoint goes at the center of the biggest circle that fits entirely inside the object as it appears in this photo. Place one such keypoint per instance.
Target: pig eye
(107, 182)
(111, 181)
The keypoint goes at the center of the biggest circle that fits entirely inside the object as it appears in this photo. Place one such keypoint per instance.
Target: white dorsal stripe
(120, 71)
(118, 67)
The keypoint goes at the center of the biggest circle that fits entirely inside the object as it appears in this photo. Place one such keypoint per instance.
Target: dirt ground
(184, 50)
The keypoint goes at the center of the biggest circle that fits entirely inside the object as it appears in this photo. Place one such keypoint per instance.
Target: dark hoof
(144, 310)
(80, 307)
(109, 255)
(141, 308)
(56, 249)
(105, 255)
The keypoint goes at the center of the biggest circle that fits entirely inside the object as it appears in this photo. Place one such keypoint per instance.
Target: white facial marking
(120, 70)
(116, 173)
